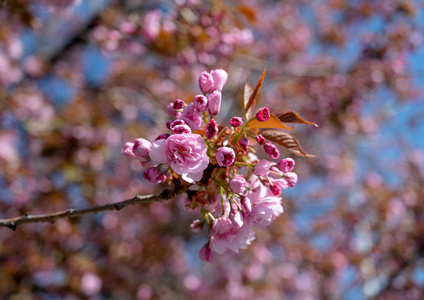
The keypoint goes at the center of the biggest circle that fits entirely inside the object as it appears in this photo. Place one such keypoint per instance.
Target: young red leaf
(292, 117)
(252, 97)
(272, 122)
(286, 140)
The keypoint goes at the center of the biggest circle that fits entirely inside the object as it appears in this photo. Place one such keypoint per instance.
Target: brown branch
(12, 223)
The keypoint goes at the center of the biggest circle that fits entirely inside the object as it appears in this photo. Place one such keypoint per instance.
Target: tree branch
(12, 223)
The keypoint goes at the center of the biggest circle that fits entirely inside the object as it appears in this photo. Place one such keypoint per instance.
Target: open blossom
(184, 153)
(225, 156)
(224, 235)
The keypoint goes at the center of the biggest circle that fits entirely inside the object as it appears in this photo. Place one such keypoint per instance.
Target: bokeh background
(80, 78)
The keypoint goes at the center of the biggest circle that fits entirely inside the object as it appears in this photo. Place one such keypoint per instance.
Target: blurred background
(79, 78)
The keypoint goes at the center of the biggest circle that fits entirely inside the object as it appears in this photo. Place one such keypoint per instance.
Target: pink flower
(139, 150)
(180, 129)
(220, 77)
(163, 136)
(211, 129)
(178, 104)
(214, 102)
(262, 168)
(281, 183)
(206, 253)
(285, 165)
(153, 175)
(206, 82)
(237, 184)
(291, 179)
(184, 153)
(236, 122)
(260, 139)
(175, 108)
(246, 204)
(200, 103)
(264, 209)
(276, 191)
(225, 156)
(272, 150)
(197, 225)
(244, 143)
(192, 117)
(263, 114)
(225, 235)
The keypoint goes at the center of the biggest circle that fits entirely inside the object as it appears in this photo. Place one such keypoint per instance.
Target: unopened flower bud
(260, 139)
(236, 121)
(142, 147)
(163, 136)
(237, 184)
(180, 129)
(263, 114)
(206, 254)
(197, 225)
(276, 191)
(244, 143)
(200, 103)
(153, 175)
(246, 204)
(214, 102)
(225, 156)
(236, 218)
(272, 150)
(291, 179)
(285, 165)
(178, 104)
(206, 82)
(211, 129)
(262, 168)
(220, 77)
(171, 112)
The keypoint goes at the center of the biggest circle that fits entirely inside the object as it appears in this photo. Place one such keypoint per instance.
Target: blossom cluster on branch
(233, 189)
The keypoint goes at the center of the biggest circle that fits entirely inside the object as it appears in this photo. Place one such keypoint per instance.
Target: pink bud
(260, 139)
(272, 150)
(206, 254)
(247, 205)
(237, 184)
(142, 147)
(178, 104)
(225, 156)
(173, 113)
(236, 121)
(263, 114)
(276, 191)
(262, 168)
(192, 117)
(174, 123)
(153, 175)
(291, 179)
(281, 183)
(236, 218)
(200, 103)
(197, 225)
(206, 82)
(244, 143)
(220, 77)
(180, 129)
(214, 102)
(211, 129)
(285, 165)
(163, 136)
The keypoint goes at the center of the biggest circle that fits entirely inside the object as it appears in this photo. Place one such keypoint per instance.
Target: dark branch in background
(12, 223)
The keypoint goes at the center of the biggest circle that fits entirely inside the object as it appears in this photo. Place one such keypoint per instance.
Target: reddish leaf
(272, 122)
(248, 11)
(248, 91)
(254, 94)
(292, 117)
(286, 140)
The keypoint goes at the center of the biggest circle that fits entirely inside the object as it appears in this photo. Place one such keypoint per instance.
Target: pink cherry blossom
(200, 103)
(236, 121)
(237, 184)
(224, 235)
(184, 153)
(263, 114)
(206, 82)
(139, 150)
(291, 179)
(211, 129)
(286, 165)
(272, 150)
(206, 254)
(214, 102)
(262, 168)
(220, 77)
(192, 117)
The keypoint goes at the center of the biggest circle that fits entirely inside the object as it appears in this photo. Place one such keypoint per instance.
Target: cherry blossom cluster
(231, 188)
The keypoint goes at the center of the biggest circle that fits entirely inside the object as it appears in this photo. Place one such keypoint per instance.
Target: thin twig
(12, 223)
